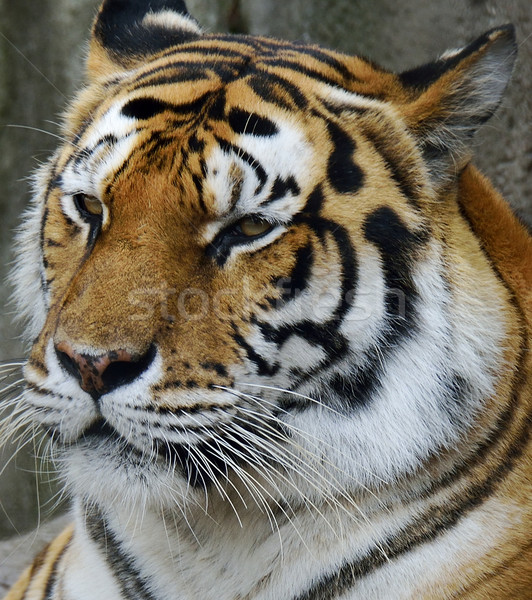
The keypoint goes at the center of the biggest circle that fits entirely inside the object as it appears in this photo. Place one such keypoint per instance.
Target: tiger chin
(281, 324)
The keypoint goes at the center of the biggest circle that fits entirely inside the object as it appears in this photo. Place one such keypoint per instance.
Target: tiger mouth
(101, 429)
(102, 435)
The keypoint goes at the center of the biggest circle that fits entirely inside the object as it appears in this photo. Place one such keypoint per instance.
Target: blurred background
(42, 47)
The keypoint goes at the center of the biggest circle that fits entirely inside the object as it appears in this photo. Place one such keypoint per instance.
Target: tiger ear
(455, 95)
(126, 32)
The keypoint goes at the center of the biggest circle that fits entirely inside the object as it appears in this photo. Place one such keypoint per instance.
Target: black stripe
(399, 164)
(277, 90)
(298, 67)
(281, 187)
(217, 107)
(145, 108)
(192, 73)
(327, 334)
(44, 219)
(296, 282)
(198, 180)
(132, 585)
(246, 157)
(293, 50)
(244, 122)
(53, 183)
(216, 52)
(222, 45)
(406, 179)
(219, 368)
(195, 144)
(396, 242)
(314, 202)
(50, 243)
(268, 92)
(344, 174)
(182, 77)
(326, 58)
(200, 68)
(263, 367)
(339, 109)
(81, 156)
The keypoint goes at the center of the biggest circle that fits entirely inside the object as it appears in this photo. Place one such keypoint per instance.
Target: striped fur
(281, 325)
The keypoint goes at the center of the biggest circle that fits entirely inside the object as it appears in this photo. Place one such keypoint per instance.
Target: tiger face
(244, 273)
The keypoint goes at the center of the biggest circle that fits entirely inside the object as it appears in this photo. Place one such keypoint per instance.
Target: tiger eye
(92, 205)
(253, 227)
(88, 207)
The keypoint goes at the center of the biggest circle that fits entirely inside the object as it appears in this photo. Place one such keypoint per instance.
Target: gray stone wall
(41, 61)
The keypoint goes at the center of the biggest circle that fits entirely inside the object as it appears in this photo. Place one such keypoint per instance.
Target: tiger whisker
(262, 400)
(268, 473)
(311, 480)
(332, 501)
(257, 490)
(15, 362)
(39, 130)
(280, 459)
(311, 475)
(224, 458)
(303, 396)
(20, 442)
(318, 443)
(13, 425)
(339, 489)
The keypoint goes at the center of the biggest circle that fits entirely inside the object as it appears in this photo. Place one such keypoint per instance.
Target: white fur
(171, 20)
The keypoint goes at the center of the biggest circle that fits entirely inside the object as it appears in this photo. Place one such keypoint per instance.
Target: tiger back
(280, 324)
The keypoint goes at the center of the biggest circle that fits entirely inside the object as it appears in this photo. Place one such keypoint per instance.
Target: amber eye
(89, 207)
(239, 233)
(253, 226)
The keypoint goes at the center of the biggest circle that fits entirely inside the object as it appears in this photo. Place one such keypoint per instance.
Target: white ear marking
(171, 20)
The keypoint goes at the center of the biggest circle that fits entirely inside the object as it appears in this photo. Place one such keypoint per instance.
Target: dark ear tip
(504, 36)
(503, 41)
(506, 31)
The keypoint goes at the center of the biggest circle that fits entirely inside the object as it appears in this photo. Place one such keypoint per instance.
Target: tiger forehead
(226, 58)
(280, 73)
(215, 134)
(258, 107)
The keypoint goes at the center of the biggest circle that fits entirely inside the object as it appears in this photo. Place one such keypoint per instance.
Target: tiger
(281, 324)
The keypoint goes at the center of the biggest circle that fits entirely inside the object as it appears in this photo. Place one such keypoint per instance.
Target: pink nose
(98, 375)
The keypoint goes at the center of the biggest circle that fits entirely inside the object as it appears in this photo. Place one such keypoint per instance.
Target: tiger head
(246, 267)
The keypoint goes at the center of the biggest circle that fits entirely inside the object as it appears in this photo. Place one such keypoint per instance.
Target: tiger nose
(98, 375)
